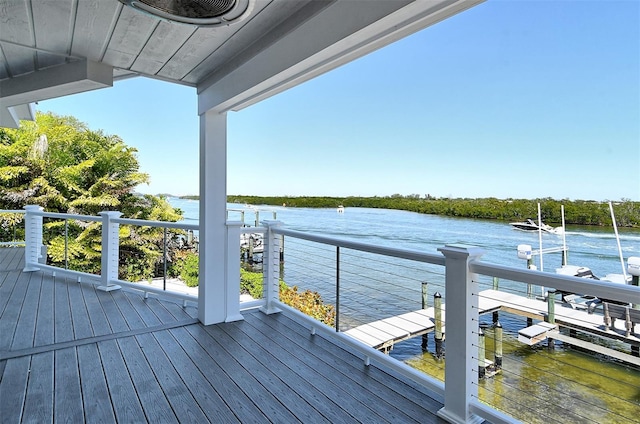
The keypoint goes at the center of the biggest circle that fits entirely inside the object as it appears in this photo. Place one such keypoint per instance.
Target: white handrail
(598, 288)
(431, 258)
(156, 224)
(67, 216)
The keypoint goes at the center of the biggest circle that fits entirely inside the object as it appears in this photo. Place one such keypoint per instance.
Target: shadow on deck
(71, 353)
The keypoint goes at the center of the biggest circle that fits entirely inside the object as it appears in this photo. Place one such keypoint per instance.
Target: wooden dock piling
(425, 297)
(482, 367)
(551, 306)
(551, 314)
(437, 304)
(497, 341)
(425, 287)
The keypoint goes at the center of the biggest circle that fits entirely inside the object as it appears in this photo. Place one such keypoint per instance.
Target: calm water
(529, 369)
(592, 247)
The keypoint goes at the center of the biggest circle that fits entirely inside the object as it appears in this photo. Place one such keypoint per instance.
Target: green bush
(309, 303)
(189, 271)
(251, 283)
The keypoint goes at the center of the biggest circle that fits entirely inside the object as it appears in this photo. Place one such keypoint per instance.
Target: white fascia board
(10, 117)
(269, 73)
(24, 112)
(58, 81)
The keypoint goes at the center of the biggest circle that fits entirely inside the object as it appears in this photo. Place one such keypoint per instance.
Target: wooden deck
(71, 353)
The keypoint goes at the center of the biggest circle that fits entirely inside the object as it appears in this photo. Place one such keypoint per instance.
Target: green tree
(58, 163)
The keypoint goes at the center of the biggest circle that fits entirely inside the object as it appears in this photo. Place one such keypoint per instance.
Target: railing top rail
(159, 224)
(67, 216)
(253, 230)
(140, 222)
(432, 258)
(599, 288)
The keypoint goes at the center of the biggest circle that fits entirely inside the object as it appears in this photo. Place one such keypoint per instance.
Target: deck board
(202, 391)
(12, 259)
(347, 367)
(38, 406)
(152, 398)
(237, 400)
(26, 328)
(45, 333)
(182, 401)
(248, 382)
(121, 388)
(71, 353)
(13, 389)
(63, 325)
(81, 325)
(269, 374)
(295, 358)
(112, 314)
(68, 399)
(95, 394)
(12, 310)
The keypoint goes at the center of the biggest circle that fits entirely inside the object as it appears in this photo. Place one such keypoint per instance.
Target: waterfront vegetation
(306, 301)
(577, 212)
(58, 163)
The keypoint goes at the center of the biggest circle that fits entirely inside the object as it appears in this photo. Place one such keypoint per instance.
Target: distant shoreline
(577, 212)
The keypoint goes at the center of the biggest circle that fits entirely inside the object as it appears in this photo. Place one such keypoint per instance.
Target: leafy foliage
(251, 283)
(189, 273)
(309, 303)
(60, 164)
(306, 301)
(11, 227)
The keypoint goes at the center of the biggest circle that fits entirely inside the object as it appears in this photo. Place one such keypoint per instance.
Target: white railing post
(32, 238)
(271, 268)
(233, 272)
(110, 250)
(461, 323)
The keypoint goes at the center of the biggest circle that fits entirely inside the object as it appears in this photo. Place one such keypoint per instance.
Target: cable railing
(11, 228)
(515, 349)
(151, 256)
(62, 239)
(173, 261)
(101, 250)
(574, 371)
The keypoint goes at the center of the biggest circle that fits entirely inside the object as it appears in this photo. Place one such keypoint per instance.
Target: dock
(383, 334)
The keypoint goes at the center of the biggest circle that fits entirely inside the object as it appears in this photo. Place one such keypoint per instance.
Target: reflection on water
(537, 385)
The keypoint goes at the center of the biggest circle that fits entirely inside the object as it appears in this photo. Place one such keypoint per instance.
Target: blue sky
(511, 99)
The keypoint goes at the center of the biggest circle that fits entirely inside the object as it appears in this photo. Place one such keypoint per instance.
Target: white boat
(531, 225)
(581, 301)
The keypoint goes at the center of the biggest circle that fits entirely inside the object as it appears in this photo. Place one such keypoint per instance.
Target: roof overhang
(310, 49)
(62, 80)
(56, 48)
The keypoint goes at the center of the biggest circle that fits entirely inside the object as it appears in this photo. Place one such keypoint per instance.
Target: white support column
(271, 268)
(213, 286)
(233, 272)
(110, 251)
(32, 237)
(461, 370)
